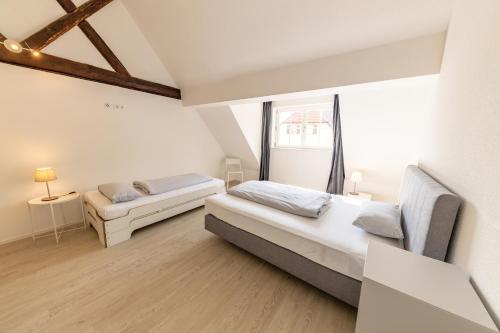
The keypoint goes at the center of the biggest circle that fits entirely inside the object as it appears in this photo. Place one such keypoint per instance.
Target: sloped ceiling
(207, 41)
(224, 125)
(19, 19)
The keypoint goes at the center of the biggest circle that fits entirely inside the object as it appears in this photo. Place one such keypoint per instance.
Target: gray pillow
(119, 192)
(380, 218)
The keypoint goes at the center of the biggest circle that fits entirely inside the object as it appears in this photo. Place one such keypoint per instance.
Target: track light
(13, 46)
(16, 47)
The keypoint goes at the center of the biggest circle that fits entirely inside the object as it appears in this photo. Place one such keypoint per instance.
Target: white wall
(381, 129)
(225, 128)
(249, 117)
(463, 147)
(302, 167)
(409, 58)
(49, 119)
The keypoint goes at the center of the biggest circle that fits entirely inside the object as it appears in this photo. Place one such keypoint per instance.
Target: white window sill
(303, 148)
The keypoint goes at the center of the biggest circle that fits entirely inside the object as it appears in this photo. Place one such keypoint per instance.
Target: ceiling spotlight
(13, 46)
(35, 53)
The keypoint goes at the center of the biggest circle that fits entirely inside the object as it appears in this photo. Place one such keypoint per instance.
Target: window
(303, 126)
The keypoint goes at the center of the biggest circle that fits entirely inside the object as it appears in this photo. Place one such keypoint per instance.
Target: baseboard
(39, 232)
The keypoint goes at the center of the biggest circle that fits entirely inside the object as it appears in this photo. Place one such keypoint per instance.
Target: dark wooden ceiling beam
(67, 5)
(53, 64)
(95, 39)
(56, 29)
(2, 37)
(103, 48)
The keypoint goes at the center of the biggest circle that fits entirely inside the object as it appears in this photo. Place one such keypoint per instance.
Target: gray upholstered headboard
(428, 213)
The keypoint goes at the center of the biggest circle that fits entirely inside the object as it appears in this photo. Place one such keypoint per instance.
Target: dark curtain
(267, 117)
(337, 173)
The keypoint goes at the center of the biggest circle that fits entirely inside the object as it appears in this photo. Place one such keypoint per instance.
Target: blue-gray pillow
(380, 218)
(119, 192)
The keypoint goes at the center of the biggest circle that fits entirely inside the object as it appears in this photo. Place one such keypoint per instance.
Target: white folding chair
(233, 167)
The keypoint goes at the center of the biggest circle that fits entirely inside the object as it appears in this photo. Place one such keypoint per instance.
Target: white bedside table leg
(64, 218)
(54, 222)
(83, 214)
(32, 224)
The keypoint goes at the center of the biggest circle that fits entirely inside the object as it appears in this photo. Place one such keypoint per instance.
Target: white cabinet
(405, 292)
(360, 195)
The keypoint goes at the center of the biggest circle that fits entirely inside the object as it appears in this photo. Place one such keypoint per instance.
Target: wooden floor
(170, 277)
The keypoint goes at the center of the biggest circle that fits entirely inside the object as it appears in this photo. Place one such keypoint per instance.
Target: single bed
(115, 223)
(329, 252)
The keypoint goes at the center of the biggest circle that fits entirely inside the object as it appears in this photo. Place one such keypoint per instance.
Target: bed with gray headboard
(428, 213)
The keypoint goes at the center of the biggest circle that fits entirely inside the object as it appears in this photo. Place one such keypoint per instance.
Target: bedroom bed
(329, 252)
(115, 222)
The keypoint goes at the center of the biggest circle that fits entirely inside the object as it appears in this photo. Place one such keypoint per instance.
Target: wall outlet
(114, 106)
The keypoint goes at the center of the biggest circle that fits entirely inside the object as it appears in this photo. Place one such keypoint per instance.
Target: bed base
(333, 283)
(112, 232)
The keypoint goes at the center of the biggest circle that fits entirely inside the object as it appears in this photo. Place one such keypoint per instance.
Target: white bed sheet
(331, 240)
(109, 211)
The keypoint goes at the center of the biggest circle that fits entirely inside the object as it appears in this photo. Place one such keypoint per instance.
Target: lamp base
(353, 193)
(50, 198)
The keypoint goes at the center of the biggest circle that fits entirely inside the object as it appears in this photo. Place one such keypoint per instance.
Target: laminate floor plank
(172, 276)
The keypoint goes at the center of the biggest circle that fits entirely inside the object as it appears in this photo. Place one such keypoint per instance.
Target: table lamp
(356, 177)
(45, 175)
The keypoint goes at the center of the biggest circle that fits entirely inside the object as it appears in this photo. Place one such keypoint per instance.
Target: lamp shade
(45, 175)
(356, 176)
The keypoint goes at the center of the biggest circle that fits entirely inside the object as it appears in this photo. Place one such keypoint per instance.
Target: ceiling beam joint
(59, 27)
(95, 39)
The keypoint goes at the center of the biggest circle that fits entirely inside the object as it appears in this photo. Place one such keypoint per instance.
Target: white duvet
(330, 240)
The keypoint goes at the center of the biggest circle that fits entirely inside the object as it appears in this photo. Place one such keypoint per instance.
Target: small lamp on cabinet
(356, 177)
(45, 175)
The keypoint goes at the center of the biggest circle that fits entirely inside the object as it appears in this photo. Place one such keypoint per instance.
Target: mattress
(109, 211)
(331, 240)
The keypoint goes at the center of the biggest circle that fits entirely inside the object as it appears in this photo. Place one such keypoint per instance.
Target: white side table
(405, 292)
(61, 200)
(360, 195)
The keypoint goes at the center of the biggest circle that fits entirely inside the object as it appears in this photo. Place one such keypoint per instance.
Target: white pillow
(380, 218)
(118, 192)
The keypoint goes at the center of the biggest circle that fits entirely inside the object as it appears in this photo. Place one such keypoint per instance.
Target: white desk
(405, 292)
(61, 200)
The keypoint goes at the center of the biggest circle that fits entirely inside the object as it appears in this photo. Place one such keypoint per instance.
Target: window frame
(304, 107)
